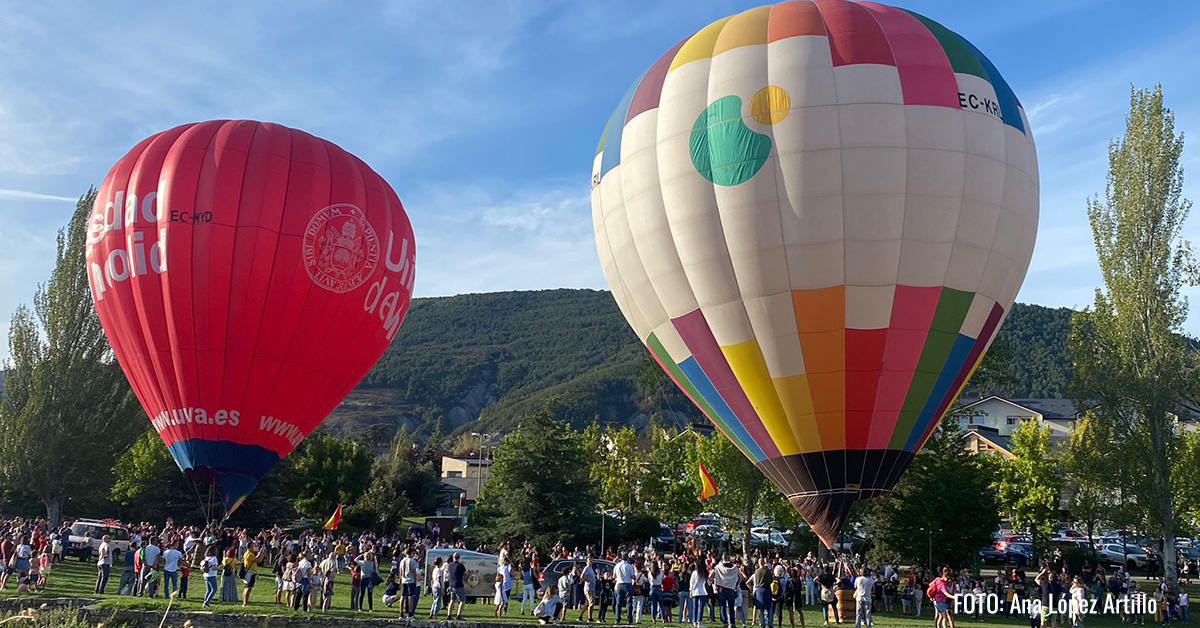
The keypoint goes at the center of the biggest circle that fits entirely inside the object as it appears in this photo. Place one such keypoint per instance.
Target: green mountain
(479, 362)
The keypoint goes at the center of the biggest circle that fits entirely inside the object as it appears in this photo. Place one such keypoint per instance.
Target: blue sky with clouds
(484, 115)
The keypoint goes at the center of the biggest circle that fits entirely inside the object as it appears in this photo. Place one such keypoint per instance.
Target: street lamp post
(930, 531)
(479, 473)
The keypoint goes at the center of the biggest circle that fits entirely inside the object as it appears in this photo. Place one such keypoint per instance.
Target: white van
(84, 540)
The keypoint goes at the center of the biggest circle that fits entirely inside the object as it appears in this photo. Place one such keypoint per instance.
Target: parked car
(84, 540)
(1020, 554)
(665, 539)
(767, 537)
(710, 533)
(991, 556)
(1130, 556)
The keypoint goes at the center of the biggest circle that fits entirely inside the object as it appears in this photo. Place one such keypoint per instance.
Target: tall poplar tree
(68, 410)
(1132, 363)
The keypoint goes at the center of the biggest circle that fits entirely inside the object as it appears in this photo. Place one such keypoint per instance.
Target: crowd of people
(626, 584)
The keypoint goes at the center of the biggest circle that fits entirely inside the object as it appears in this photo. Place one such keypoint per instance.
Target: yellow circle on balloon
(770, 105)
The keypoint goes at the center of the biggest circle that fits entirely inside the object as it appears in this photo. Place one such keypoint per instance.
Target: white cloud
(484, 238)
(23, 195)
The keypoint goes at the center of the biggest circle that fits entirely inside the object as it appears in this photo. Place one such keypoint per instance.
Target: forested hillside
(478, 362)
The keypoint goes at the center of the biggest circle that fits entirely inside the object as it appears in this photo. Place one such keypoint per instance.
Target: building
(469, 475)
(991, 421)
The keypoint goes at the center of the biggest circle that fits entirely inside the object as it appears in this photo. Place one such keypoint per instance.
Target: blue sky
(484, 115)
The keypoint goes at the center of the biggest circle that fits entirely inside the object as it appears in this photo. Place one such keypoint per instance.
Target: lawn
(75, 579)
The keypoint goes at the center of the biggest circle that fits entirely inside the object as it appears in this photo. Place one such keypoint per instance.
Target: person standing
(250, 561)
(527, 586)
(150, 554)
(409, 576)
(103, 564)
(864, 587)
(437, 586)
(762, 581)
(458, 592)
(698, 591)
(941, 591)
(623, 576)
(209, 568)
(171, 559)
(725, 580)
(128, 582)
(589, 590)
(370, 577)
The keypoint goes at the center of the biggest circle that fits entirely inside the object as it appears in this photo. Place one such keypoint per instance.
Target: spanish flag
(336, 519)
(708, 487)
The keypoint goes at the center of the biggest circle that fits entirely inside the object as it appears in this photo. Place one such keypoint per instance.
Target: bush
(640, 527)
(1076, 556)
(59, 618)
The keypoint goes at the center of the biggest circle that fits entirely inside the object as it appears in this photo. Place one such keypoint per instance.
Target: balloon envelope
(816, 215)
(247, 276)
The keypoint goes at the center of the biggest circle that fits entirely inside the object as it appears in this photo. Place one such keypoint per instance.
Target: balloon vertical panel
(269, 270)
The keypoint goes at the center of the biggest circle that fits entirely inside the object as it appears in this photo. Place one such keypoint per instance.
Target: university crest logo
(341, 249)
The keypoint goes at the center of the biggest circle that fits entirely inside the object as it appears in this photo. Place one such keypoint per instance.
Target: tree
(1029, 486)
(943, 506)
(539, 489)
(743, 491)
(149, 485)
(403, 483)
(327, 471)
(616, 467)
(68, 410)
(1131, 360)
(672, 480)
(1095, 468)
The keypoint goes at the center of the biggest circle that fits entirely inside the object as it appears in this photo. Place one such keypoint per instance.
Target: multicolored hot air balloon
(247, 276)
(816, 215)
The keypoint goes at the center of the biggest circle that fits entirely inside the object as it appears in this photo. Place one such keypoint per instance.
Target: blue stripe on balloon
(696, 376)
(1009, 107)
(941, 388)
(236, 467)
(616, 128)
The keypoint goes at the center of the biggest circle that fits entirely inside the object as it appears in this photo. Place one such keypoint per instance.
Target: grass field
(75, 579)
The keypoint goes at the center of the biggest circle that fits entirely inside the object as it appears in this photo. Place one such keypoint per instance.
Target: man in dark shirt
(458, 595)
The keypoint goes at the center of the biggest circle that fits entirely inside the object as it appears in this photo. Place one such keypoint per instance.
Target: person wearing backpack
(209, 568)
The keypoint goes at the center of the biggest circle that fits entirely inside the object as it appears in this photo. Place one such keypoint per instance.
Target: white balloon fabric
(816, 215)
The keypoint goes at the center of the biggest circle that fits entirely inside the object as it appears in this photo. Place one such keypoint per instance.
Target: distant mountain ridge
(479, 362)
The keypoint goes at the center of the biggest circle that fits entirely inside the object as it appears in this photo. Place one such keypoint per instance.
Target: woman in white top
(1078, 603)
(209, 567)
(698, 592)
(437, 584)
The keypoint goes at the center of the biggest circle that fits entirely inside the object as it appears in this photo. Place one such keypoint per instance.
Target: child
(355, 587)
(1035, 610)
(317, 585)
(183, 577)
(35, 573)
(547, 609)
(325, 600)
(499, 599)
(23, 585)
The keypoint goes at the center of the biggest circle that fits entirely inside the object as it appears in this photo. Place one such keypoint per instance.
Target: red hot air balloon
(247, 275)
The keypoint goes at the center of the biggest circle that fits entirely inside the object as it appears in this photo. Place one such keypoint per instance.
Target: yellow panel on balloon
(750, 369)
(796, 399)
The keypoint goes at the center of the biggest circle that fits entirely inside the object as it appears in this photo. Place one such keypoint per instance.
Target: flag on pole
(709, 488)
(336, 519)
